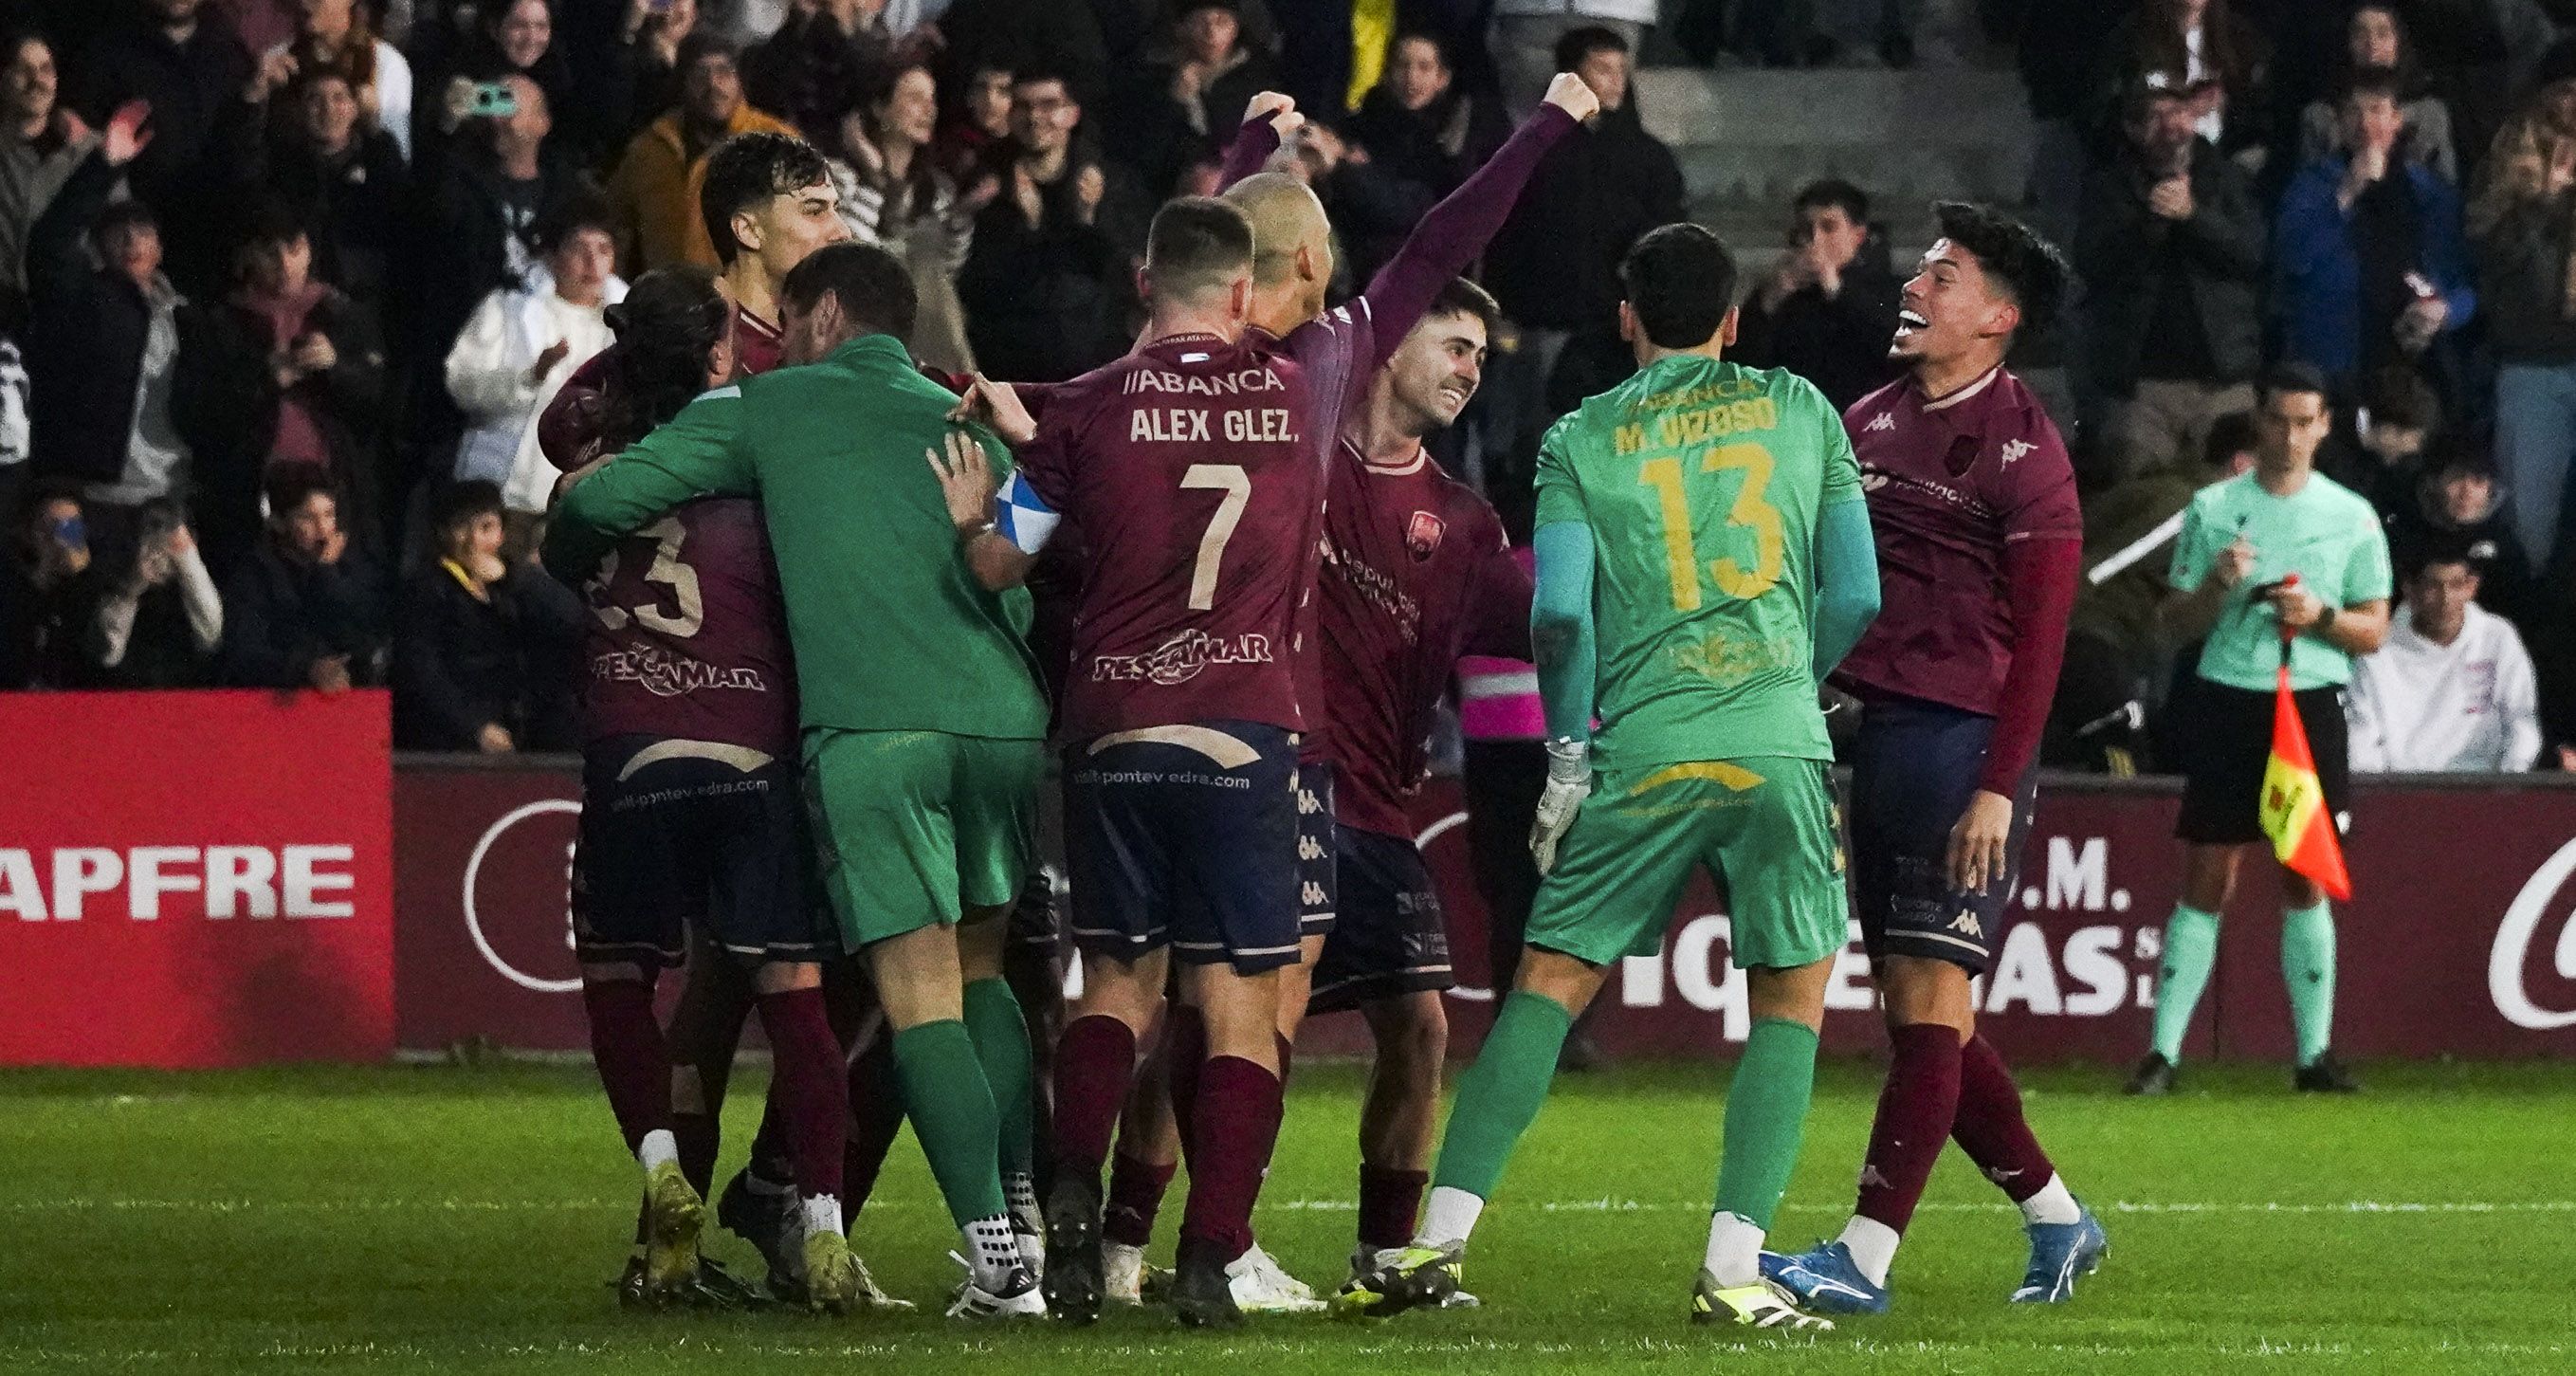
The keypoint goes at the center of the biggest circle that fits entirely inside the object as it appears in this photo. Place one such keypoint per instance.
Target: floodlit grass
(466, 1220)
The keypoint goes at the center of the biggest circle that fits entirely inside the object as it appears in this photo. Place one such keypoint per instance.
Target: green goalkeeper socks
(1001, 1037)
(2191, 948)
(953, 1115)
(1766, 1117)
(1498, 1097)
(2308, 967)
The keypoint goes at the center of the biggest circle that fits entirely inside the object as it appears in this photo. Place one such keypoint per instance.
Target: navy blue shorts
(1318, 876)
(675, 832)
(1186, 837)
(1391, 939)
(1914, 768)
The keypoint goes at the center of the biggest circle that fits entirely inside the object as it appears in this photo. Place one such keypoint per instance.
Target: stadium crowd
(285, 283)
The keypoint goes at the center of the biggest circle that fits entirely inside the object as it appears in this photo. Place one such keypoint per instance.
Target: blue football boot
(1826, 1279)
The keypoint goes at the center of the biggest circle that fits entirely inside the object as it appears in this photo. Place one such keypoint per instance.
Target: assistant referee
(2242, 540)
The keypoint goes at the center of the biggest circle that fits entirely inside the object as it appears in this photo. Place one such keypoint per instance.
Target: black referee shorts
(2226, 741)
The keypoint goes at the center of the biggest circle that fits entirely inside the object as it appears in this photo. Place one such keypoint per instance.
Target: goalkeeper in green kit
(1704, 557)
(923, 726)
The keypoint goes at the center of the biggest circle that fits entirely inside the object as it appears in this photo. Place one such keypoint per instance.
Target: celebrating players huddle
(819, 708)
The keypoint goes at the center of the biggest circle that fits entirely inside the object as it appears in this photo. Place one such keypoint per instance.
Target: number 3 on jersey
(1750, 510)
(666, 570)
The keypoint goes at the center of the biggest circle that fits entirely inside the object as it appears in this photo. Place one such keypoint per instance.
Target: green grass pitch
(463, 1221)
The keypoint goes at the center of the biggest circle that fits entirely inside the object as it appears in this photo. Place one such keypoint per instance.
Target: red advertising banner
(2461, 942)
(195, 879)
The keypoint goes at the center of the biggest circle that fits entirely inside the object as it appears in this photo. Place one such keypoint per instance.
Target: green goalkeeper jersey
(1702, 481)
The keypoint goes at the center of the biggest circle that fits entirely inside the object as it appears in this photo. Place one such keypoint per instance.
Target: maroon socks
(1094, 1063)
(1135, 1195)
(1990, 1127)
(634, 1062)
(808, 1091)
(1230, 1135)
(1915, 1111)
(1390, 1201)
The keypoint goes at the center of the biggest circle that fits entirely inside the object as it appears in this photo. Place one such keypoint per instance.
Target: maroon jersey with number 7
(1190, 467)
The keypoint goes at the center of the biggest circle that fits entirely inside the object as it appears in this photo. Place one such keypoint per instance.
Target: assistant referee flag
(2294, 802)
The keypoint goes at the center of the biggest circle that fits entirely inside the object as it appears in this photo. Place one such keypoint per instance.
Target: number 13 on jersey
(1752, 511)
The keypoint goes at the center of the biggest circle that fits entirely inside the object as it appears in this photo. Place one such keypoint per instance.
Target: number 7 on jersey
(1230, 479)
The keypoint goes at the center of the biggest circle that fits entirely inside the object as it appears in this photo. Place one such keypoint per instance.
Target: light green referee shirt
(2325, 532)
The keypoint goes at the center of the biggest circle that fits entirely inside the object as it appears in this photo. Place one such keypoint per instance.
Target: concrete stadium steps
(1748, 138)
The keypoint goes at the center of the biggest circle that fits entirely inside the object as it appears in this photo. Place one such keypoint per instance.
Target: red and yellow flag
(2294, 802)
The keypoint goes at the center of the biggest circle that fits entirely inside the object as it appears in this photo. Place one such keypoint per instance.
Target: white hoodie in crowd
(2471, 706)
(487, 373)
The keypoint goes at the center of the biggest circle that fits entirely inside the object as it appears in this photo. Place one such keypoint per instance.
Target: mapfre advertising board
(195, 879)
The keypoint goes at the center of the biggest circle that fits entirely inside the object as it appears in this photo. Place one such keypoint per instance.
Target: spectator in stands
(649, 36)
(48, 592)
(159, 617)
(820, 57)
(654, 192)
(17, 450)
(41, 142)
(344, 179)
(2369, 264)
(1529, 39)
(309, 608)
(2460, 506)
(2169, 239)
(516, 38)
(2377, 41)
(108, 345)
(1045, 285)
(972, 141)
(1419, 133)
(2523, 222)
(520, 345)
(1021, 36)
(340, 36)
(1555, 265)
(1193, 95)
(263, 24)
(2452, 690)
(893, 194)
(182, 60)
(483, 649)
(2395, 420)
(294, 380)
(2202, 49)
(1827, 312)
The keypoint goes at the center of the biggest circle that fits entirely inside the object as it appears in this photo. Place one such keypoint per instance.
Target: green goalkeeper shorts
(916, 827)
(1765, 825)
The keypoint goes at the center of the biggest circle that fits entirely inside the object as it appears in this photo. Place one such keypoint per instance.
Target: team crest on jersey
(1422, 536)
(1886, 420)
(2014, 449)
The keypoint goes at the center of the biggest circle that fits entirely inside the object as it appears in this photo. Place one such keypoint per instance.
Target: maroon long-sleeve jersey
(1417, 571)
(1190, 468)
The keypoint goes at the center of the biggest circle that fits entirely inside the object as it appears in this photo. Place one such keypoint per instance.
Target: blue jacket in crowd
(2317, 266)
